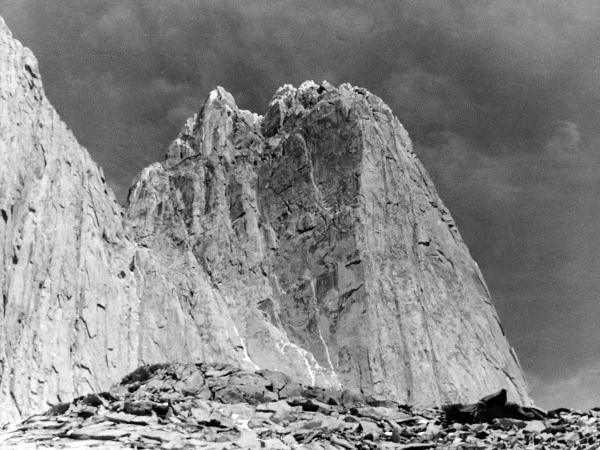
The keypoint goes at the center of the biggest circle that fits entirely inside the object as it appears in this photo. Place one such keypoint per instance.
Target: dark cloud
(501, 99)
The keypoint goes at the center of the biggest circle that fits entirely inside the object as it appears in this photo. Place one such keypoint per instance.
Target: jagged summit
(290, 103)
(309, 240)
(196, 137)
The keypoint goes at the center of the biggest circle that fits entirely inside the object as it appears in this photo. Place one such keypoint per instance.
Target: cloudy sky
(502, 100)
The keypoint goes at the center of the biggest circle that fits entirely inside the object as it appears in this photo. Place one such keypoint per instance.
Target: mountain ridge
(310, 240)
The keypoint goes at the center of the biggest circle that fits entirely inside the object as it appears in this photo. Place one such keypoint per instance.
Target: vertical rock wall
(373, 277)
(68, 317)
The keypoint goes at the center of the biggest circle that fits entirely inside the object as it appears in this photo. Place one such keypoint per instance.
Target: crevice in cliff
(85, 325)
(15, 402)
(353, 262)
(31, 71)
(346, 295)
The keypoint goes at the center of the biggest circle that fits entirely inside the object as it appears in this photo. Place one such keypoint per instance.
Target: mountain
(309, 240)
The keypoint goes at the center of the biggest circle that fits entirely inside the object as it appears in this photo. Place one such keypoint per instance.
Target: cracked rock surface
(309, 240)
(218, 406)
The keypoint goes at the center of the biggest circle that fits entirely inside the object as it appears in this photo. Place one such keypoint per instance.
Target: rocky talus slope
(309, 240)
(188, 406)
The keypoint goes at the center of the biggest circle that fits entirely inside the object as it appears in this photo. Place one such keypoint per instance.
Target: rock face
(70, 309)
(310, 241)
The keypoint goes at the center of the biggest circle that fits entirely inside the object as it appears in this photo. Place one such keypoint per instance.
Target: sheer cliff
(310, 240)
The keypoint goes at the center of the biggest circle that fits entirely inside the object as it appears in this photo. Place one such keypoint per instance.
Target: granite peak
(310, 240)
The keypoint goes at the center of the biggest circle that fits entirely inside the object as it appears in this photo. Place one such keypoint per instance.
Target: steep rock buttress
(310, 240)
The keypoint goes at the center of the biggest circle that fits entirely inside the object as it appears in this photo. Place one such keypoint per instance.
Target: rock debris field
(185, 406)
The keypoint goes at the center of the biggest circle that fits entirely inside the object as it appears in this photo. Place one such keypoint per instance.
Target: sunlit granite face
(310, 241)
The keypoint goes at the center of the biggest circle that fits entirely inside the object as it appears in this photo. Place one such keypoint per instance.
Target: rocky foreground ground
(184, 406)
